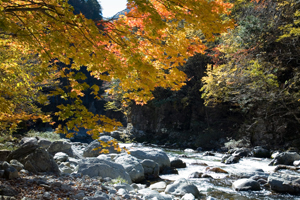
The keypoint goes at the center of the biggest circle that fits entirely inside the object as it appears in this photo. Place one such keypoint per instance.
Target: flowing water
(220, 185)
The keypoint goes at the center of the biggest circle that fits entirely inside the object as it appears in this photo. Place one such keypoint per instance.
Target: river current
(220, 185)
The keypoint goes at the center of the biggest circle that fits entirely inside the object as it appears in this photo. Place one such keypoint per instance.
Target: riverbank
(149, 172)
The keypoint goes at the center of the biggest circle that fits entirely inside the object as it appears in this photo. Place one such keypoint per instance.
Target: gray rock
(232, 159)
(11, 173)
(16, 164)
(80, 194)
(296, 163)
(242, 152)
(29, 139)
(132, 166)
(7, 191)
(151, 168)
(44, 143)
(90, 150)
(124, 186)
(285, 158)
(61, 157)
(177, 163)
(24, 150)
(159, 186)
(246, 184)
(40, 161)
(147, 191)
(260, 152)
(159, 157)
(66, 169)
(61, 146)
(158, 197)
(97, 167)
(284, 183)
(181, 187)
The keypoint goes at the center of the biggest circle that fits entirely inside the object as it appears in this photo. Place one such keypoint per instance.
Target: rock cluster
(61, 169)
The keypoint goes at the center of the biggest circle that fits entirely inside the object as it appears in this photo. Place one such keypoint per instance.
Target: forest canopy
(140, 51)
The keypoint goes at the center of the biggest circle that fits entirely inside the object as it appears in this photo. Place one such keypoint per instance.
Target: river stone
(96, 167)
(61, 146)
(44, 143)
(284, 183)
(188, 196)
(242, 152)
(159, 186)
(132, 166)
(177, 163)
(230, 159)
(90, 150)
(181, 187)
(124, 186)
(16, 164)
(157, 156)
(7, 191)
(285, 158)
(151, 169)
(246, 184)
(29, 139)
(159, 196)
(260, 152)
(60, 157)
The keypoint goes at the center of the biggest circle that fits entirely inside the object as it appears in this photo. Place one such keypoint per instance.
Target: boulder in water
(246, 184)
(285, 158)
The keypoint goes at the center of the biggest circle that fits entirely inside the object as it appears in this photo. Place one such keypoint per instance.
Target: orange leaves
(140, 51)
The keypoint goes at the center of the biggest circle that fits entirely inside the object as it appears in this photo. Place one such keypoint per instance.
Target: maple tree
(141, 50)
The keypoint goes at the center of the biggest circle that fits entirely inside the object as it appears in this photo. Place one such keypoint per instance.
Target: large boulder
(230, 159)
(159, 157)
(133, 166)
(261, 152)
(246, 184)
(24, 150)
(96, 167)
(285, 158)
(94, 148)
(151, 169)
(33, 158)
(242, 152)
(284, 183)
(181, 187)
(39, 161)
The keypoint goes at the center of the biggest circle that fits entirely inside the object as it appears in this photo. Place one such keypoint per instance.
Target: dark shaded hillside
(181, 117)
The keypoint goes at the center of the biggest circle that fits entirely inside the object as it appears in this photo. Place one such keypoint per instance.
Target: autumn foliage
(142, 50)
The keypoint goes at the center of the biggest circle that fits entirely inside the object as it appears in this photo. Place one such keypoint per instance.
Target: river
(220, 185)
